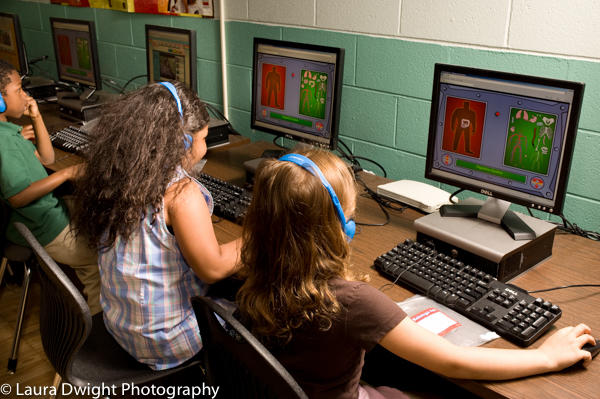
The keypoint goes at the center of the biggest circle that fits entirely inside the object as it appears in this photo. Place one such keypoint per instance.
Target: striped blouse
(146, 290)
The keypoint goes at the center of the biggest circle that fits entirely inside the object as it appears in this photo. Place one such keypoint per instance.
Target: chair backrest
(236, 361)
(65, 319)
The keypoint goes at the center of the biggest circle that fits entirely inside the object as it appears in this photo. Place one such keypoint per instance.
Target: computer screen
(12, 49)
(296, 91)
(503, 135)
(76, 52)
(171, 55)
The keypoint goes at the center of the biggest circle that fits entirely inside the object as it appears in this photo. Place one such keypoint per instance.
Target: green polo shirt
(46, 217)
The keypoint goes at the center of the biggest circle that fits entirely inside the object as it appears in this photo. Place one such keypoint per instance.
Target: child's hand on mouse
(563, 348)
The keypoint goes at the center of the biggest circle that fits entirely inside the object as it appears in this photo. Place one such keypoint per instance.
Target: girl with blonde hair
(302, 301)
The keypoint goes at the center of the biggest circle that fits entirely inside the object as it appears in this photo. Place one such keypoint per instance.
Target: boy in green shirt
(27, 188)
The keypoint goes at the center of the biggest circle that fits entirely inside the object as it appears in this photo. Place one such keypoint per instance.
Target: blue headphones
(2, 104)
(348, 226)
(188, 138)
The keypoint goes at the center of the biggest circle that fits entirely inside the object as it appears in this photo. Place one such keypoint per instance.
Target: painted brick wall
(391, 47)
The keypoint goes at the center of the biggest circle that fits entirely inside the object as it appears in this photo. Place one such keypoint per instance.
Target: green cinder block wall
(385, 98)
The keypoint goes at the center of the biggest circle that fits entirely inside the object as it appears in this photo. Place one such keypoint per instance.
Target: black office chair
(79, 347)
(236, 361)
(15, 254)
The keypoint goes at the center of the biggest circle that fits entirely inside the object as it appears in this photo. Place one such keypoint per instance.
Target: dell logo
(511, 291)
(487, 192)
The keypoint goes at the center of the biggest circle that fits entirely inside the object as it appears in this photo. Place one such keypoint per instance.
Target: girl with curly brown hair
(151, 221)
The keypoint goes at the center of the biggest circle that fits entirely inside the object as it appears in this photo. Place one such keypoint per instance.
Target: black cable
(112, 84)
(217, 112)
(393, 283)
(574, 229)
(373, 162)
(563, 287)
(454, 194)
(379, 200)
(131, 80)
(571, 228)
(348, 155)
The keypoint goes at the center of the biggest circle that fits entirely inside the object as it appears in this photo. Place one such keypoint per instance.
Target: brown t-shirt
(328, 364)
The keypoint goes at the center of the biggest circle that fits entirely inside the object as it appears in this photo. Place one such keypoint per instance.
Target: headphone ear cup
(350, 229)
(2, 104)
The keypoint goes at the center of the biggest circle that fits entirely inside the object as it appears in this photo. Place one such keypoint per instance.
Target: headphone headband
(171, 87)
(348, 226)
(173, 91)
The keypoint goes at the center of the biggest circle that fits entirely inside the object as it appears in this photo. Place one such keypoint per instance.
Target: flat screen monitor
(507, 136)
(12, 48)
(76, 52)
(296, 91)
(171, 55)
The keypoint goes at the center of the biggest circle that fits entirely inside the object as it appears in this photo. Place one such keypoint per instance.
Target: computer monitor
(12, 48)
(76, 53)
(507, 136)
(296, 91)
(171, 55)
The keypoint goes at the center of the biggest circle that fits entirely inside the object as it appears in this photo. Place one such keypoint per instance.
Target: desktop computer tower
(218, 133)
(74, 108)
(487, 246)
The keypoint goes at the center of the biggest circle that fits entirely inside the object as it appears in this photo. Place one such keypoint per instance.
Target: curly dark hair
(135, 148)
(5, 70)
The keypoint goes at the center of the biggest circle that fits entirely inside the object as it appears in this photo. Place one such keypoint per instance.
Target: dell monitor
(171, 55)
(296, 91)
(76, 54)
(12, 48)
(507, 136)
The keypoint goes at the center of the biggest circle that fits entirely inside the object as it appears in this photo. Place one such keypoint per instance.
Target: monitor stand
(496, 211)
(486, 245)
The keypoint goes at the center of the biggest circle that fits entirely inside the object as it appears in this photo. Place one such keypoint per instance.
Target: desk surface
(574, 260)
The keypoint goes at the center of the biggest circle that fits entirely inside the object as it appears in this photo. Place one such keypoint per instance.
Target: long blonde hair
(293, 245)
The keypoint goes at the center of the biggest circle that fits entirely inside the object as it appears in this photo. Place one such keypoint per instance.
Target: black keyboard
(230, 200)
(504, 308)
(70, 139)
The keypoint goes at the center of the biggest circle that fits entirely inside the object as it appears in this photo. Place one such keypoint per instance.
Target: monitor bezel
(94, 46)
(472, 184)
(191, 34)
(22, 53)
(337, 90)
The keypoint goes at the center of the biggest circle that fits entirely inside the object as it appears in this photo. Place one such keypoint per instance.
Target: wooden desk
(575, 260)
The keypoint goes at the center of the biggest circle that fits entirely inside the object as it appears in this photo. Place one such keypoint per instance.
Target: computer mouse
(593, 349)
